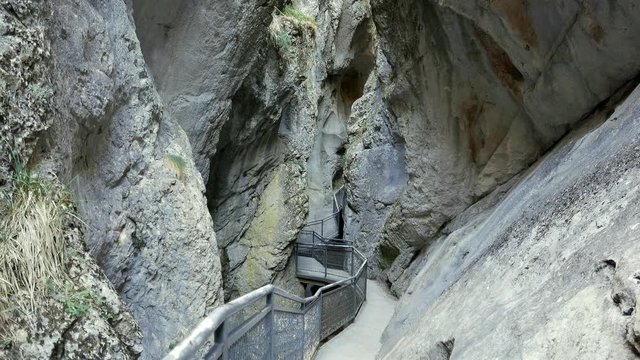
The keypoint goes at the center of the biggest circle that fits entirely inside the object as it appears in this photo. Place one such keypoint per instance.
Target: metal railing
(329, 227)
(270, 323)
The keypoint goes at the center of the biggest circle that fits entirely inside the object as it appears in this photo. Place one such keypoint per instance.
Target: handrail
(324, 240)
(213, 339)
(186, 348)
(205, 330)
(338, 207)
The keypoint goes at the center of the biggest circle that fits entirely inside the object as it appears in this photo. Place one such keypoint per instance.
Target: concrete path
(361, 340)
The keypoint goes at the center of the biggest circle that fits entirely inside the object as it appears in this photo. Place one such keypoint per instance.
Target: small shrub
(22, 178)
(173, 344)
(79, 303)
(6, 344)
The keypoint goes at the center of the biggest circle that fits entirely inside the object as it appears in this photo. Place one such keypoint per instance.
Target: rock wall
(200, 53)
(80, 315)
(25, 87)
(478, 91)
(428, 111)
(267, 118)
(83, 317)
(545, 270)
(247, 113)
(129, 166)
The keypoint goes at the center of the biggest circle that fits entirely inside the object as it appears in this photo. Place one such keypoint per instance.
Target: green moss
(263, 232)
(177, 165)
(39, 92)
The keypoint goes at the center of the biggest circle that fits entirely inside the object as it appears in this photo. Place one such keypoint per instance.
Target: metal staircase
(270, 323)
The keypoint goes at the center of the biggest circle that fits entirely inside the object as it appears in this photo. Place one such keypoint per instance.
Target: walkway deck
(311, 268)
(361, 340)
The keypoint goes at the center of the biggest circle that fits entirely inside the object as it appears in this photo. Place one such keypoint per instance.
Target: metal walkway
(270, 323)
(310, 268)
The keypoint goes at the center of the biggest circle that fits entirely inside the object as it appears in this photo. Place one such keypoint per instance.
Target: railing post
(304, 328)
(353, 271)
(221, 338)
(321, 315)
(270, 324)
(325, 263)
(365, 282)
(322, 228)
(354, 298)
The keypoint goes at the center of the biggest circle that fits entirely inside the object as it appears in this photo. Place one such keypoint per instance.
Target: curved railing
(270, 323)
(330, 226)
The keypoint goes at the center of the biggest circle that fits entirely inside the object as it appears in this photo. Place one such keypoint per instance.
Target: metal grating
(339, 304)
(253, 345)
(312, 329)
(288, 335)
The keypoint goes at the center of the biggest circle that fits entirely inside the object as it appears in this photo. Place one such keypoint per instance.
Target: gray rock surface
(25, 87)
(107, 330)
(547, 270)
(242, 101)
(426, 110)
(129, 166)
(200, 53)
(258, 177)
(344, 60)
(253, 110)
(479, 90)
(375, 171)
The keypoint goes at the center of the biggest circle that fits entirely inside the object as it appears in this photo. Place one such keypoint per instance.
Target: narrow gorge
(162, 158)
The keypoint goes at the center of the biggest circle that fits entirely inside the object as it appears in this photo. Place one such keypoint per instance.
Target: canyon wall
(548, 269)
(197, 138)
(106, 135)
(478, 91)
(264, 97)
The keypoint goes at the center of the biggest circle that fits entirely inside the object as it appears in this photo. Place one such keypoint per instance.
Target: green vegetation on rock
(283, 40)
(31, 237)
(79, 303)
(297, 16)
(177, 165)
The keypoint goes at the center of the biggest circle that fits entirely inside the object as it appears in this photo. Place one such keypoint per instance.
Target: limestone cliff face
(479, 90)
(129, 165)
(266, 116)
(78, 314)
(197, 137)
(25, 87)
(126, 161)
(547, 270)
(241, 100)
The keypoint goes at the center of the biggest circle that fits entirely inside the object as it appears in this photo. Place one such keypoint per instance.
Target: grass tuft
(31, 238)
(298, 16)
(79, 303)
